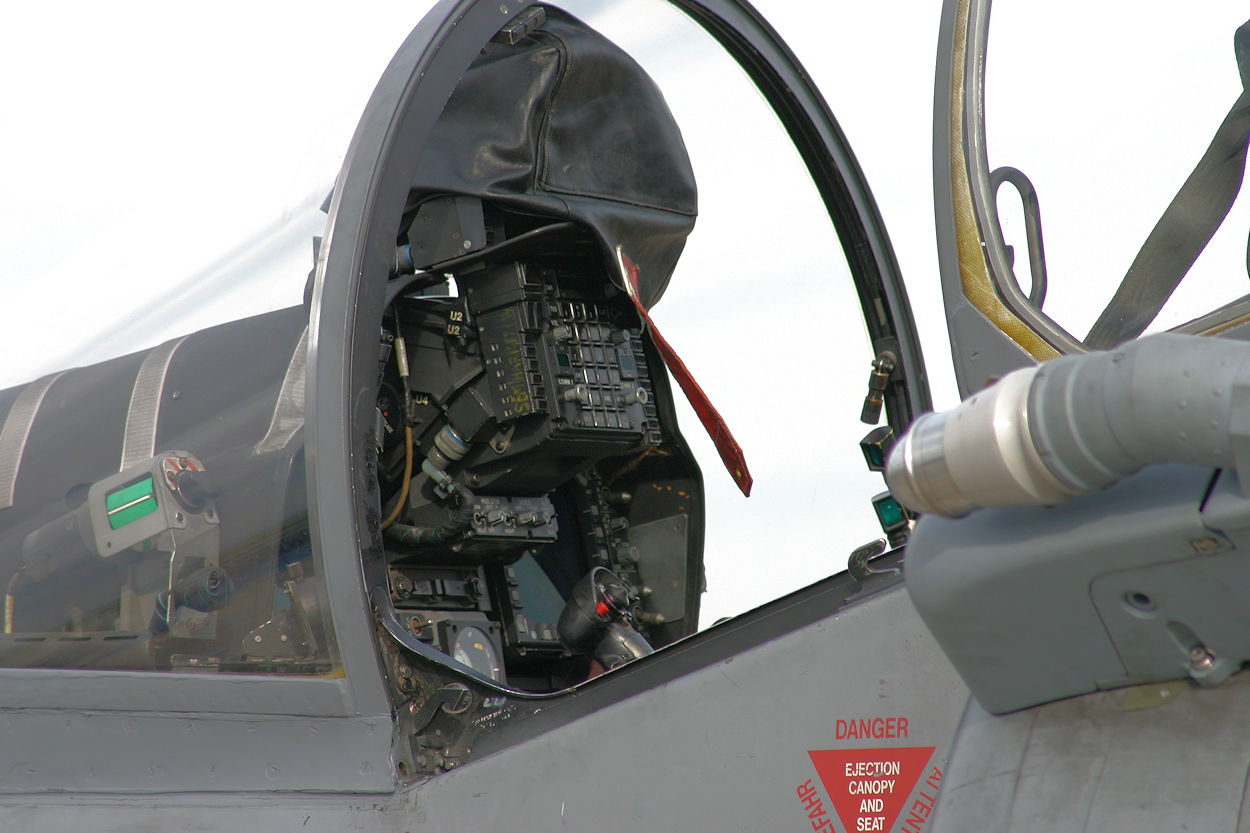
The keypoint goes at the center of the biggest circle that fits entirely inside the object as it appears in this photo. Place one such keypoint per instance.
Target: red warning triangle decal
(868, 787)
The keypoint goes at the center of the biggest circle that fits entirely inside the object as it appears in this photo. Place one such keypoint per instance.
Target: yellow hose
(403, 492)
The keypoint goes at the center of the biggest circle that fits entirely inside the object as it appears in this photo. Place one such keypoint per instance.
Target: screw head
(1201, 659)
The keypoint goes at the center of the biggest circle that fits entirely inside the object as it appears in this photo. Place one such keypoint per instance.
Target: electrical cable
(397, 285)
(433, 274)
(500, 247)
(401, 362)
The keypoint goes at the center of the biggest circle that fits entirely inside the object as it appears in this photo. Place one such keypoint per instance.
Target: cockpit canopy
(1084, 205)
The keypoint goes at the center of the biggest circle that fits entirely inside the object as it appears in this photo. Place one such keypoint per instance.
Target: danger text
(876, 728)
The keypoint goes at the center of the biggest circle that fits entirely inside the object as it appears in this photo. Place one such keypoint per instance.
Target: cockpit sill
(133, 732)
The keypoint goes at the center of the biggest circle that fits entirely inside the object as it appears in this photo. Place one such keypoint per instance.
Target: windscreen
(153, 510)
(153, 331)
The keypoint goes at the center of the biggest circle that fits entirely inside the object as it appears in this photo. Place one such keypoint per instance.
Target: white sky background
(155, 151)
(763, 311)
(1108, 118)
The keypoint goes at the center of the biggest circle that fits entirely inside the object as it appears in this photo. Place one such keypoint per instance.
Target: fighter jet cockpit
(526, 460)
(319, 486)
(456, 470)
(527, 442)
(542, 516)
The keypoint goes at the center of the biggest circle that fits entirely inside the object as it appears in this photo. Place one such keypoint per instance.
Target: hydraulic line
(417, 536)
(407, 483)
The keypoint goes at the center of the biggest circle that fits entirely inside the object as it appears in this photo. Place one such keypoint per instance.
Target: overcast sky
(1123, 111)
(153, 153)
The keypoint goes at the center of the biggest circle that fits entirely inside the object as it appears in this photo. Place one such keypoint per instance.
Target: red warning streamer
(728, 448)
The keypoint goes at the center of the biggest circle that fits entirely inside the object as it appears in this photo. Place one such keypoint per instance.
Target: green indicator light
(132, 513)
(130, 503)
(129, 494)
(876, 446)
(890, 513)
